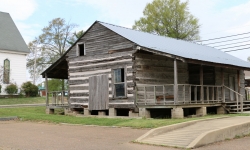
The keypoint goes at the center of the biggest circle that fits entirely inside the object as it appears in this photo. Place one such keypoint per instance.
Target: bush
(29, 89)
(11, 89)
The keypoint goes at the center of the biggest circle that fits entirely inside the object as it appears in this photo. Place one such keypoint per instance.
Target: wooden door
(99, 92)
(231, 86)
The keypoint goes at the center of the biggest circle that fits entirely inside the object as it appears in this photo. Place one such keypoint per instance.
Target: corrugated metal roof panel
(176, 47)
(10, 37)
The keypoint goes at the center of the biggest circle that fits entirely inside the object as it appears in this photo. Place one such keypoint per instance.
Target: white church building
(13, 51)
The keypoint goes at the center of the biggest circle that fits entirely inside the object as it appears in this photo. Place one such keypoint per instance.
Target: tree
(169, 18)
(49, 46)
(75, 37)
(29, 89)
(55, 85)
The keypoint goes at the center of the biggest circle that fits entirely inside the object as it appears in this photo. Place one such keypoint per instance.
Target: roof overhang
(58, 70)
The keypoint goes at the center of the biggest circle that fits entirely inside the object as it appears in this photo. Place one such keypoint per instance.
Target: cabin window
(81, 49)
(6, 71)
(119, 82)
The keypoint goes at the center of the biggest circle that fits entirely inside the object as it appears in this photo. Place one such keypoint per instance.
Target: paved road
(42, 136)
(15, 135)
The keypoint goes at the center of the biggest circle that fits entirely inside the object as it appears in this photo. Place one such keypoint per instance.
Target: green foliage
(11, 89)
(75, 37)
(30, 89)
(49, 46)
(169, 18)
(55, 84)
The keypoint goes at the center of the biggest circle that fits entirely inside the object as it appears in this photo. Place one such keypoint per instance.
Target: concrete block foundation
(86, 112)
(133, 114)
(177, 113)
(101, 113)
(143, 112)
(112, 112)
(202, 111)
(221, 110)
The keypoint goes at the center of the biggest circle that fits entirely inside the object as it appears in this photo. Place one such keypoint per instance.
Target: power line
(231, 43)
(224, 37)
(218, 31)
(234, 46)
(237, 49)
(226, 41)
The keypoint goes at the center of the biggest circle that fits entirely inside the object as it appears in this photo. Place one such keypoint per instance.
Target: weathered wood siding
(81, 69)
(98, 92)
(227, 73)
(99, 40)
(158, 70)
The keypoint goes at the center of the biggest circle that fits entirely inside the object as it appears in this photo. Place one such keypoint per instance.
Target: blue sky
(217, 17)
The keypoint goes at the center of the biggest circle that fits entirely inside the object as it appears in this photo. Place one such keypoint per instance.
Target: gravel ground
(16, 135)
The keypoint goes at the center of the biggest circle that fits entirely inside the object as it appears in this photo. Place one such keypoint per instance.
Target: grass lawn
(38, 114)
(30, 100)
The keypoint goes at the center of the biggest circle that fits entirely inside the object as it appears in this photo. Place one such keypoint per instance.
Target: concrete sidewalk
(21, 105)
(198, 133)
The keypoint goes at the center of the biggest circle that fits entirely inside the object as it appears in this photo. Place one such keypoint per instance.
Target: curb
(160, 130)
(217, 135)
(8, 118)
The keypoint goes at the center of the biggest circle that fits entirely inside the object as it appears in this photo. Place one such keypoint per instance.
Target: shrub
(29, 89)
(11, 89)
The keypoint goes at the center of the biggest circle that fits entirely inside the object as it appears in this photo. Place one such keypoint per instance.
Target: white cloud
(220, 22)
(18, 9)
(217, 22)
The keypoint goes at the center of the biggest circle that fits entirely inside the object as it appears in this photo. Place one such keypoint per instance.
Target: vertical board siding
(98, 92)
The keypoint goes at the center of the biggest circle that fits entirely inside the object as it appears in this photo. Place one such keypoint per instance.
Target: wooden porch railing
(247, 91)
(187, 94)
(59, 98)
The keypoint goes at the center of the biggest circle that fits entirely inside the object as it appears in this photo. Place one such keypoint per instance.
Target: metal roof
(10, 37)
(176, 47)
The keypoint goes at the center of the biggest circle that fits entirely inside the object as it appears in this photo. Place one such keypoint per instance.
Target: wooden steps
(232, 106)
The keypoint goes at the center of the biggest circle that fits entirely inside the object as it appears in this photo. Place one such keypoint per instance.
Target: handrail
(237, 101)
(233, 91)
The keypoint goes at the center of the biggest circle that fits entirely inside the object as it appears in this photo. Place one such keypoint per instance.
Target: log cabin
(116, 71)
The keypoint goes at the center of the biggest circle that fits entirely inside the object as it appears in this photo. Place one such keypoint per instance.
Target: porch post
(175, 82)
(222, 84)
(201, 83)
(47, 90)
(241, 98)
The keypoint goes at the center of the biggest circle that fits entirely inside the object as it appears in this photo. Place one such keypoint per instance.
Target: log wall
(99, 40)
(79, 75)
(105, 50)
(158, 70)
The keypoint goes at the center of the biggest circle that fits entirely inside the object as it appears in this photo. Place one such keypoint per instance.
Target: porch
(188, 95)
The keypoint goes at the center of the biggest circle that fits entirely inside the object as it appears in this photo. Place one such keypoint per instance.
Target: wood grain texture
(98, 92)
